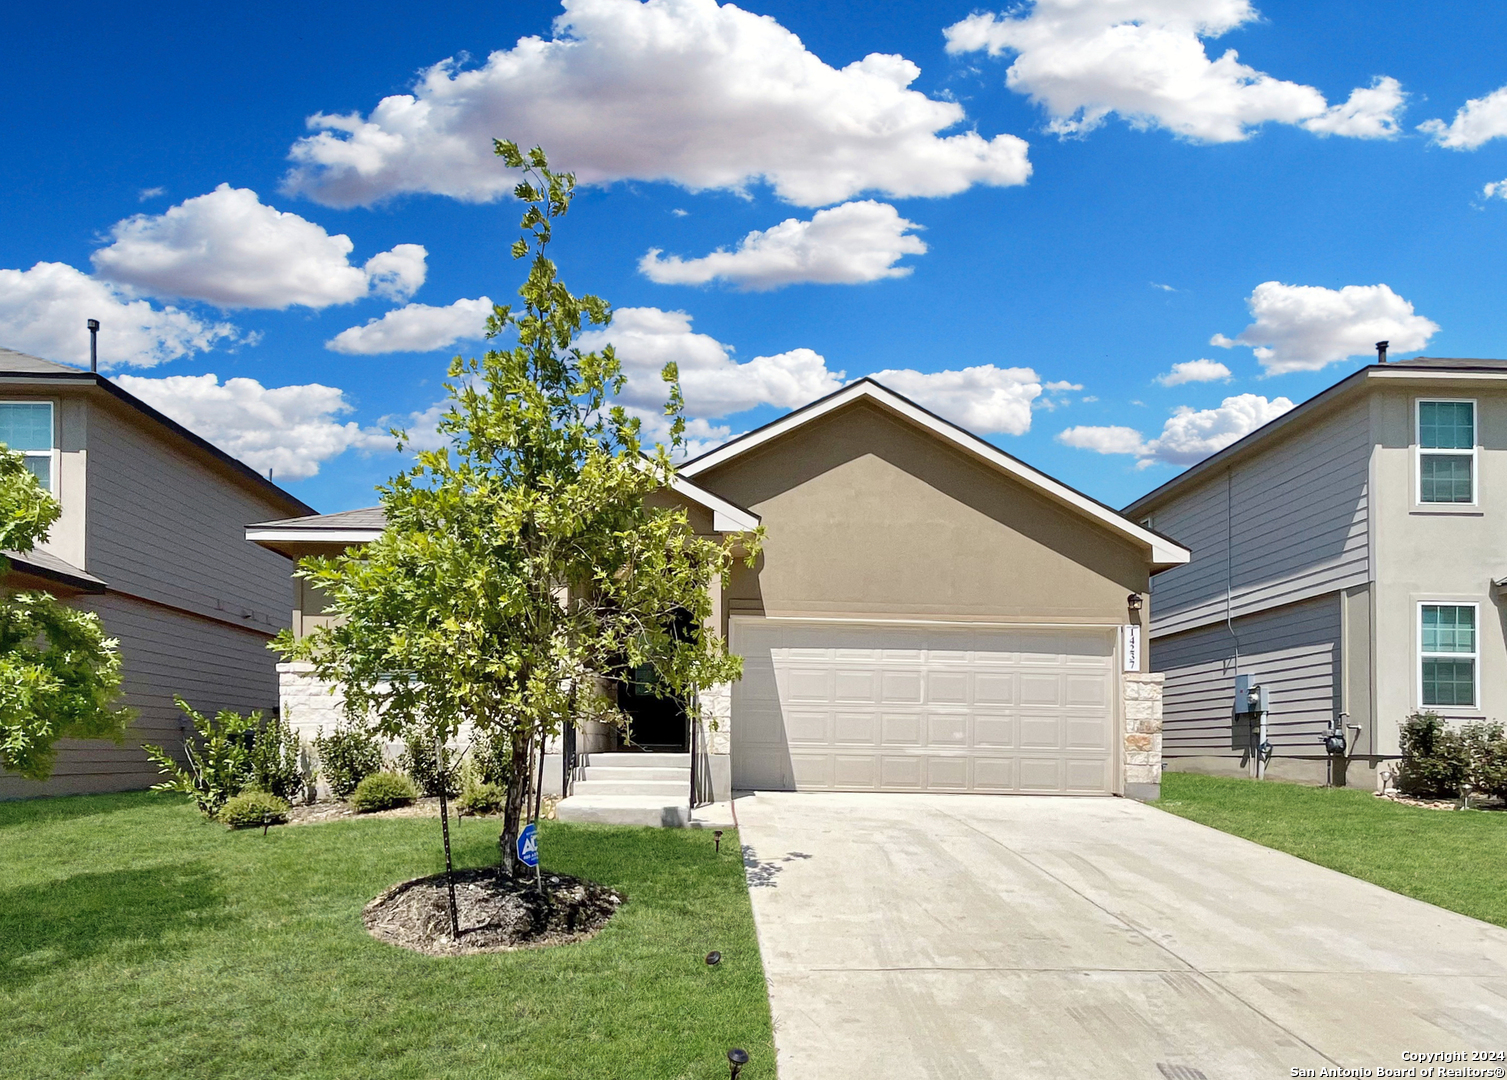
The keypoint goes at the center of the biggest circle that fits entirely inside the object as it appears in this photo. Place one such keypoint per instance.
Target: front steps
(635, 789)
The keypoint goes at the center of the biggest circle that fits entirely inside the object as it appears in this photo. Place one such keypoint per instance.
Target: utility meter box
(1251, 701)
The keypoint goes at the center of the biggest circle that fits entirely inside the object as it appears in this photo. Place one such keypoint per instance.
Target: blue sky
(1259, 202)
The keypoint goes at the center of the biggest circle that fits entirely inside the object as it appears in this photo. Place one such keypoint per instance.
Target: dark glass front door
(654, 723)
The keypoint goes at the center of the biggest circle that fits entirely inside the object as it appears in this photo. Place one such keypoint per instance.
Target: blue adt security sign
(528, 845)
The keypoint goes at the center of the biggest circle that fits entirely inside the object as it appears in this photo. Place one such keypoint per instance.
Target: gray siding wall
(1296, 516)
(1293, 650)
(212, 665)
(167, 525)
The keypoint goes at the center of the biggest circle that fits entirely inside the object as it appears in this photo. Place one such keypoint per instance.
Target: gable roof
(22, 367)
(1164, 552)
(1418, 369)
(366, 524)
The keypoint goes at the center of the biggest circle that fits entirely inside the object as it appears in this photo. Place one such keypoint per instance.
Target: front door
(654, 723)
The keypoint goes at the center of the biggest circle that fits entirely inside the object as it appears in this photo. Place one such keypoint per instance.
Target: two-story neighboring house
(1350, 556)
(150, 537)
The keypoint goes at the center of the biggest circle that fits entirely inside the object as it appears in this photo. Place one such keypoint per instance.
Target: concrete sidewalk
(994, 936)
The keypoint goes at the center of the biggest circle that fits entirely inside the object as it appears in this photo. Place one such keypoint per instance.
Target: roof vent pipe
(93, 345)
(1381, 351)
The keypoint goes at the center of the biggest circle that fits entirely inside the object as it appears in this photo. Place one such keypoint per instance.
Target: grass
(137, 940)
(1455, 859)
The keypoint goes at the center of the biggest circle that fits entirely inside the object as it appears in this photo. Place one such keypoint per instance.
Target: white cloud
(986, 400)
(1497, 189)
(1194, 371)
(1306, 327)
(43, 311)
(232, 250)
(713, 382)
(686, 91)
(1479, 121)
(1370, 113)
(416, 328)
(288, 429)
(846, 245)
(1144, 59)
(150, 193)
(1189, 436)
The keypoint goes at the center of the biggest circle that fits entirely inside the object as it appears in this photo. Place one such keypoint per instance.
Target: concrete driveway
(973, 936)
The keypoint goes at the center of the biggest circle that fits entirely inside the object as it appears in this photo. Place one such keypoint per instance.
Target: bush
(274, 760)
(478, 796)
(492, 759)
(383, 791)
(419, 762)
(219, 759)
(346, 757)
(1486, 754)
(253, 809)
(1434, 758)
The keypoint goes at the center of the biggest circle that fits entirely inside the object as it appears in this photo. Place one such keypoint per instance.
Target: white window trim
(1475, 657)
(55, 454)
(1419, 450)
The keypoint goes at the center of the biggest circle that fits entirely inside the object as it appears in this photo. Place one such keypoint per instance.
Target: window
(26, 427)
(1446, 451)
(1448, 654)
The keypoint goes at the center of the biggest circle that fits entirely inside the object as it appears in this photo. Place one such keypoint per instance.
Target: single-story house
(928, 613)
(150, 537)
(1349, 557)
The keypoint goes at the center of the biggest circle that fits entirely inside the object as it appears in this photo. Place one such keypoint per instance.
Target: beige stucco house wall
(150, 537)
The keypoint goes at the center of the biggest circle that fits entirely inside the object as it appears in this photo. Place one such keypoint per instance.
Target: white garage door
(867, 707)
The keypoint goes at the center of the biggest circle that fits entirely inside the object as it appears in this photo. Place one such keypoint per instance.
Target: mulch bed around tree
(497, 913)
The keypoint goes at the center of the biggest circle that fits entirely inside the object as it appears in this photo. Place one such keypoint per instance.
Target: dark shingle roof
(1453, 362)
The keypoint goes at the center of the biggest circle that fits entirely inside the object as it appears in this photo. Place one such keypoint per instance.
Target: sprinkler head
(713, 958)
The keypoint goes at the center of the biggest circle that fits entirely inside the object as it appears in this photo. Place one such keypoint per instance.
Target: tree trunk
(519, 771)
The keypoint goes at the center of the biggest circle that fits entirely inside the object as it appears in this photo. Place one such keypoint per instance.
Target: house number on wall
(1130, 641)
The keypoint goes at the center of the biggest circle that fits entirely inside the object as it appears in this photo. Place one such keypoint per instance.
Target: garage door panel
(947, 687)
(857, 772)
(857, 729)
(994, 688)
(1042, 774)
(807, 726)
(902, 728)
(898, 773)
(947, 773)
(807, 683)
(1040, 732)
(994, 774)
(1086, 776)
(855, 685)
(994, 731)
(947, 729)
(900, 687)
(868, 707)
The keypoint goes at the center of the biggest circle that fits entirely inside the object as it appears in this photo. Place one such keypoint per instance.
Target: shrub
(219, 759)
(478, 796)
(383, 791)
(274, 760)
(1434, 758)
(419, 762)
(1486, 756)
(492, 759)
(346, 757)
(253, 809)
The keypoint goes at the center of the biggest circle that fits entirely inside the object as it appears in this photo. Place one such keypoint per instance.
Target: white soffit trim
(726, 517)
(289, 533)
(1164, 552)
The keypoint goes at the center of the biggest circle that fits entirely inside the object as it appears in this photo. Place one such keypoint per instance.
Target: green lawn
(1456, 859)
(138, 941)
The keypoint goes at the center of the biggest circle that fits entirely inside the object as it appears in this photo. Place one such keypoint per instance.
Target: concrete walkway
(973, 936)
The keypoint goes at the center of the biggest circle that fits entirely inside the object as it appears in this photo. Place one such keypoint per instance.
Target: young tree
(59, 673)
(522, 564)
